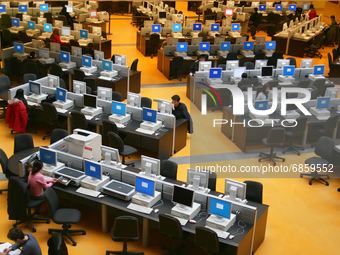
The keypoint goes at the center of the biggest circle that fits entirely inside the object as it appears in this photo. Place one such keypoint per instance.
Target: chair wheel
(50, 231)
(310, 183)
(0, 192)
(283, 160)
(48, 221)
(327, 184)
(84, 232)
(283, 152)
(259, 160)
(43, 138)
(301, 175)
(274, 164)
(74, 244)
(34, 230)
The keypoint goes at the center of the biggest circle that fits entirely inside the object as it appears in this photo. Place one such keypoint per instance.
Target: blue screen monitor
(61, 94)
(220, 207)
(93, 169)
(176, 27)
(44, 7)
(182, 47)
(31, 25)
(48, 157)
(35, 87)
(323, 102)
(145, 186)
(19, 48)
(204, 46)
(15, 22)
(84, 33)
(118, 108)
(261, 105)
(292, 7)
(47, 27)
(248, 45)
(278, 7)
(87, 61)
(225, 46)
(22, 8)
(262, 7)
(288, 70)
(215, 73)
(64, 56)
(215, 27)
(270, 45)
(107, 65)
(319, 70)
(156, 28)
(197, 27)
(2, 8)
(235, 27)
(149, 115)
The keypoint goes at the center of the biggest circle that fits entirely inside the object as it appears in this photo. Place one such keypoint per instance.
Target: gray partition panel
(113, 172)
(106, 105)
(122, 70)
(259, 47)
(77, 98)
(98, 64)
(135, 111)
(12, 91)
(169, 120)
(55, 55)
(235, 47)
(78, 60)
(214, 49)
(192, 49)
(169, 50)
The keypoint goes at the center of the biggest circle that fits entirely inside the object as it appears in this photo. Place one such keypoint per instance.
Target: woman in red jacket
(312, 12)
(55, 36)
(16, 115)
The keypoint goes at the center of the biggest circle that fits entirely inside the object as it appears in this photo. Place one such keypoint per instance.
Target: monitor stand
(264, 79)
(68, 65)
(259, 117)
(198, 53)
(94, 184)
(320, 113)
(221, 223)
(182, 54)
(36, 98)
(20, 56)
(91, 69)
(315, 77)
(268, 53)
(48, 170)
(119, 119)
(292, 114)
(222, 53)
(194, 34)
(92, 111)
(247, 53)
(286, 79)
(186, 212)
(145, 200)
(64, 105)
(109, 74)
(213, 81)
(150, 125)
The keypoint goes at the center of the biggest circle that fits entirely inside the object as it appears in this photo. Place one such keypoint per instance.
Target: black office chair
(29, 77)
(104, 34)
(292, 61)
(314, 91)
(24, 37)
(223, 66)
(207, 240)
(79, 75)
(171, 227)
(124, 150)
(303, 83)
(116, 96)
(296, 131)
(91, 82)
(7, 37)
(276, 55)
(249, 65)
(212, 181)
(154, 43)
(314, 49)
(63, 19)
(56, 70)
(5, 85)
(6, 21)
(203, 35)
(134, 65)
(146, 102)
(58, 134)
(48, 16)
(78, 120)
(31, 67)
(320, 85)
(232, 56)
(259, 55)
(74, 43)
(3, 163)
(56, 245)
(335, 55)
(62, 216)
(23, 142)
(107, 127)
(324, 149)
(254, 191)
(329, 62)
(177, 63)
(62, 84)
(11, 68)
(125, 229)
(88, 90)
(276, 136)
(169, 169)
(51, 117)
(328, 127)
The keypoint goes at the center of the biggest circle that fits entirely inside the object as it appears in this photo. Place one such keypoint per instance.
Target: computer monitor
(164, 106)
(267, 71)
(215, 4)
(145, 4)
(323, 102)
(332, 92)
(184, 197)
(198, 179)
(145, 186)
(235, 27)
(97, 30)
(84, 33)
(55, 47)
(149, 115)
(48, 27)
(292, 7)
(41, 21)
(110, 154)
(162, 15)
(248, 45)
(197, 27)
(44, 7)
(215, 73)
(120, 60)
(69, 8)
(86, 61)
(260, 40)
(2, 8)
(48, 157)
(229, 12)
(107, 65)
(93, 169)
(104, 93)
(172, 41)
(259, 63)
(76, 51)
(262, 7)
(220, 208)
(61, 94)
(306, 63)
(15, 22)
(98, 55)
(34, 87)
(241, 40)
(238, 71)
(196, 40)
(215, 27)
(305, 6)
(64, 56)
(278, 7)
(270, 45)
(182, 47)
(156, 28)
(118, 108)
(36, 44)
(31, 25)
(204, 46)
(22, 8)
(79, 87)
(176, 27)
(89, 101)
(281, 63)
(288, 70)
(66, 31)
(53, 81)
(218, 40)
(19, 48)
(134, 99)
(261, 105)
(44, 53)
(225, 46)
(231, 64)
(77, 26)
(59, 23)
(150, 166)
(235, 189)
(93, 14)
(204, 65)
(319, 69)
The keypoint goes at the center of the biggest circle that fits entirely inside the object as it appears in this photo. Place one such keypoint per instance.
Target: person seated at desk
(37, 181)
(334, 23)
(55, 36)
(221, 21)
(312, 12)
(263, 95)
(181, 112)
(253, 16)
(70, 20)
(165, 43)
(194, 67)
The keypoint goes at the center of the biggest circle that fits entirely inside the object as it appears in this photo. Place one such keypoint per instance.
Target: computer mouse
(156, 210)
(231, 237)
(193, 222)
(220, 196)
(156, 134)
(100, 196)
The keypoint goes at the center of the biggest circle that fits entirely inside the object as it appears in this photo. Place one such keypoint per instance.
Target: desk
(102, 25)
(334, 69)
(142, 44)
(13, 161)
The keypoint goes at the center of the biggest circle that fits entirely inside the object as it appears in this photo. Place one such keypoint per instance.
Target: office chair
(125, 229)
(314, 92)
(29, 77)
(107, 127)
(90, 82)
(56, 245)
(249, 65)
(252, 31)
(48, 16)
(303, 83)
(79, 75)
(276, 136)
(56, 70)
(169, 169)
(335, 54)
(146, 102)
(277, 21)
(3, 163)
(31, 67)
(63, 19)
(254, 191)
(296, 131)
(177, 63)
(62, 84)
(207, 240)
(51, 117)
(212, 181)
(7, 38)
(62, 216)
(314, 49)
(58, 134)
(5, 85)
(88, 90)
(124, 150)
(220, 60)
(6, 21)
(74, 43)
(223, 66)
(24, 37)
(204, 36)
(329, 62)
(113, 58)
(276, 55)
(116, 96)
(292, 61)
(328, 127)
(104, 34)
(11, 68)
(232, 56)
(78, 120)
(324, 149)
(171, 227)
(23, 142)
(154, 43)
(271, 30)
(134, 65)
(320, 85)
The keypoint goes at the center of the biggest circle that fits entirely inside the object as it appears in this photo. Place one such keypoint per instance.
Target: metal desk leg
(69, 126)
(109, 33)
(98, 129)
(104, 219)
(335, 131)
(145, 232)
(70, 82)
(304, 139)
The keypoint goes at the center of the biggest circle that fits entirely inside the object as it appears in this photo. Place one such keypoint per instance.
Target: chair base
(176, 76)
(66, 232)
(293, 148)
(271, 156)
(1, 190)
(317, 176)
(27, 130)
(31, 218)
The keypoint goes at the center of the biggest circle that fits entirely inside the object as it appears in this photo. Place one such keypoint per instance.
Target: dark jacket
(16, 115)
(181, 112)
(194, 67)
(18, 195)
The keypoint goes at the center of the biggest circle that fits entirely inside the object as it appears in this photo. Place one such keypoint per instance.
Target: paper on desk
(64, 69)
(7, 245)
(88, 74)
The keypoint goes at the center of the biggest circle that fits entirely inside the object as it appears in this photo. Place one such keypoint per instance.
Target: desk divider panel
(214, 49)
(96, 38)
(169, 50)
(13, 91)
(253, 73)
(78, 60)
(236, 47)
(76, 34)
(30, 49)
(192, 49)
(259, 47)
(7, 53)
(135, 111)
(55, 55)
(48, 90)
(114, 172)
(40, 27)
(106, 105)
(98, 64)
(24, 24)
(77, 98)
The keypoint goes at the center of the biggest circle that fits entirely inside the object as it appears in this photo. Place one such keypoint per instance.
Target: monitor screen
(48, 157)
(156, 28)
(84, 33)
(182, 47)
(270, 45)
(66, 31)
(31, 25)
(64, 56)
(145, 186)
(197, 27)
(69, 8)
(267, 71)
(87, 61)
(149, 115)
(118, 108)
(319, 70)
(19, 48)
(145, 4)
(215, 73)
(93, 14)
(90, 101)
(183, 196)
(215, 27)
(248, 45)
(305, 6)
(323, 102)
(15, 22)
(261, 105)
(229, 12)
(216, 4)
(220, 207)
(262, 7)
(204, 46)
(44, 53)
(110, 154)
(225, 46)
(48, 28)
(162, 15)
(278, 7)
(302, 30)
(61, 94)
(22, 8)
(107, 65)
(235, 27)
(35, 87)
(93, 169)
(288, 70)
(44, 7)
(292, 7)
(97, 30)
(2, 8)
(176, 27)
(238, 71)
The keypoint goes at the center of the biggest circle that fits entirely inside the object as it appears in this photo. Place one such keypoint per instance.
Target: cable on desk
(202, 213)
(162, 203)
(241, 225)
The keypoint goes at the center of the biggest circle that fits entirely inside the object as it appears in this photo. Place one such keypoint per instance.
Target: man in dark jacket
(181, 112)
(195, 65)
(29, 245)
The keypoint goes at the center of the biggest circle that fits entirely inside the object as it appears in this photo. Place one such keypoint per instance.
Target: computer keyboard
(144, 131)
(220, 233)
(139, 208)
(61, 110)
(322, 117)
(105, 78)
(88, 117)
(31, 103)
(88, 192)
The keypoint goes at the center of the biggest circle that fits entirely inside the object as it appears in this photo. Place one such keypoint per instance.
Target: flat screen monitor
(22, 8)
(98, 55)
(292, 7)
(198, 179)
(262, 7)
(118, 108)
(84, 33)
(150, 166)
(93, 14)
(238, 71)
(149, 115)
(220, 208)
(55, 47)
(204, 46)
(104, 93)
(323, 102)
(176, 27)
(31, 25)
(79, 87)
(270, 45)
(87, 61)
(215, 27)
(229, 12)
(97, 30)
(332, 92)
(162, 15)
(248, 45)
(35, 88)
(215, 73)
(261, 105)
(61, 94)
(215, 4)
(260, 62)
(15, 22)
(305, 6)
(278, 7)
(64, 56)
(2, 8)
(183, 196)
(231, 64)
(164, 106)
(225, 46)
(53, 81)
(235, 27)
(89, 101)
(197, 27)
(48, 28)
(145, 186)
(107, 65)
(134, 99)
(172, 41)
(260, 40)
(281, 63)
(66, 31)
(18, 48)
(44, 53)
(93, 169)
(319, 69)
(241, 40)
(182, 47)
(156, 28)
(267, 71)
(306, 63)
(48, 157)
(120, 60)
(235, 189)
(196, 40)
(204, 66)
(77, 26)
(44, 7)
(288, 70)
(76, 51)
(58, 23)
(110, 154)
(69, 8)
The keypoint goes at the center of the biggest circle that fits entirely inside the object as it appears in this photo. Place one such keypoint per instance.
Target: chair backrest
(90, 82)
(212, 181)
(107, 127)
(78, 120)
(56, 70)
(5, 83)
(223, 66)
(3, 161)
(249, 65)
(292, 61)
(29, 76)
(320, 85)
(177, 62)
(324, 148)
(232, 56)
(170, 226)
(74, 43)
(335, 54)
(276, 135)
(303, 83)
(79, 75)
(48, 16)
(31, 67)
(260, 55)
(331, 123)
(276, 55)
(6, 20)
(56, 245)
(116, 96)
(154, 39)
(169, 169)
(58, 134)
(125, 228)
(50, 112)
(52, 201)
(7, 35)
(146, 102)
(134, 65)
(23, 142)
(116, 141)
(63, 18)
(23, 36)
(254, 191)
(206, 239)
(300, 126)
(62, 84)
(329, 60)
